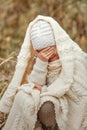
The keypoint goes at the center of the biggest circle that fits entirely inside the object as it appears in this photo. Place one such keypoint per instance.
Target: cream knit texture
(42, 35)
(41, 68)
(68, 92)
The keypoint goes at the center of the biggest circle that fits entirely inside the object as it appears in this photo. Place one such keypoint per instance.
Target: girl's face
(55, 54)
(48, 53)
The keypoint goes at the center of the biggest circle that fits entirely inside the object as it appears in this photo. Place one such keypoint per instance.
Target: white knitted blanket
(70, 87)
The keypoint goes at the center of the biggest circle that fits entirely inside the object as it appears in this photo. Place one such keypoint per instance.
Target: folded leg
(46, 116)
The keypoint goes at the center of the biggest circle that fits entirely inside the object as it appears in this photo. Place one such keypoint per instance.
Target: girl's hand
(46, 54)
(37, 86)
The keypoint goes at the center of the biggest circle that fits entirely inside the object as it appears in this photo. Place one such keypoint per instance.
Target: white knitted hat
(42, 35)
(65, 48)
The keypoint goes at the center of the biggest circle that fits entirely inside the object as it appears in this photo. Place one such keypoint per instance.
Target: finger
(50, 56)
(53, 50)
(45, 49)
(49, 52)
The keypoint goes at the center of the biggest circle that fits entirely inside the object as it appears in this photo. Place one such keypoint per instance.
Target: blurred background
(15, 16)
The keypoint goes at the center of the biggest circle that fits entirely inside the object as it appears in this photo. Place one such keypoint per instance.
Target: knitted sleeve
(63, 83)
(39, 72)
(72, 77)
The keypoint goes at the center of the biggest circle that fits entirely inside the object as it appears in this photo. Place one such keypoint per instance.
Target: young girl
(55, 95)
